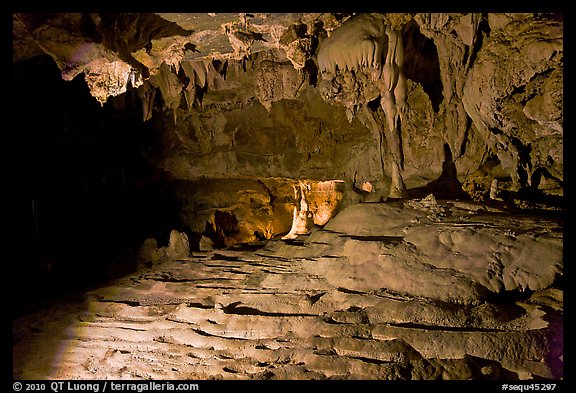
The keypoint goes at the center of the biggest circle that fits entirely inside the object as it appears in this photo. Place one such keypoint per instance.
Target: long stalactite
(366, 43)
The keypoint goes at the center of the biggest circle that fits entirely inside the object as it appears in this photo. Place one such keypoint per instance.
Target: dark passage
(82, 196)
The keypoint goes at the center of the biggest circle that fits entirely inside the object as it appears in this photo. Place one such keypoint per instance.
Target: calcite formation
(301, 214)
(318, 203)
(288, 195)
(368, 44)
(241, 211)
(439, 79)
(358, 42)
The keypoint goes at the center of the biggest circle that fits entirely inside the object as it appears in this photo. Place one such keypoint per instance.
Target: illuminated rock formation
(301, 216)
(367, 43)
(318, 203)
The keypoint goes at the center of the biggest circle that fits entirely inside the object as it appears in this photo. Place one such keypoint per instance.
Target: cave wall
(475, 82)
(495, 69)
(483, 101)
(482, 94)
(233, 135)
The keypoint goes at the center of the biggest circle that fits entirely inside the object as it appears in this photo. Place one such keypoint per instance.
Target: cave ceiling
(90, 42)
(473, 88)
(205, 30)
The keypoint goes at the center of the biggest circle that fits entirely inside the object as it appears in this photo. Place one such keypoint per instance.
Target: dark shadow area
(446, 186)
(225, 225)
(81, 195)
(421, 63)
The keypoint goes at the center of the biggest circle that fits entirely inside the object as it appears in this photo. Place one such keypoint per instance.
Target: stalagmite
(300, 217)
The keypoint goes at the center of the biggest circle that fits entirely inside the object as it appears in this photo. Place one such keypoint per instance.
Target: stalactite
(170, 87)
(190, 93)
(357, 43)
(367, 43)
(147, 93)
(393, 103)
(195, 71)
(203, 76)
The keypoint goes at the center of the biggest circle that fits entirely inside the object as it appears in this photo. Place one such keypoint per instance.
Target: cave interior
(311, 195)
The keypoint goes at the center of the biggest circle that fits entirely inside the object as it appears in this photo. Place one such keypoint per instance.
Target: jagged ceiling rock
(233, 35)
(278, 80)
(129, 47)
(478, 86)
(357, 43)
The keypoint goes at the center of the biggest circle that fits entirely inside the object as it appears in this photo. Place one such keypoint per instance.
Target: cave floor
(261, 314)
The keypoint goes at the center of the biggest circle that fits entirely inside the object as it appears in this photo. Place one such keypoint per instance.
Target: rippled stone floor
(415, 290)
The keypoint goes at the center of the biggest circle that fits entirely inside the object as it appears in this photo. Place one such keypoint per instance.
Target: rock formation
(369, 44)
(411, 79)
(416, 290)
(288, 195)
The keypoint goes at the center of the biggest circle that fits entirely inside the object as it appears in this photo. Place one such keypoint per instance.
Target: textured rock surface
(435, 250)
(230, 171)
(533, 77)
(487, 86)
(317, 307)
